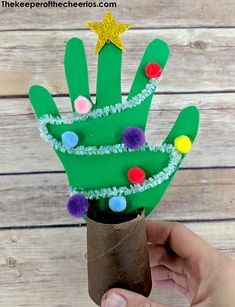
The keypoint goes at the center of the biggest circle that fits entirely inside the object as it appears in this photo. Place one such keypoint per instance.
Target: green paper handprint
(98, 167)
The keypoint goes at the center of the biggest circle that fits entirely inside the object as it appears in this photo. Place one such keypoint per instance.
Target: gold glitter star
(108, 30)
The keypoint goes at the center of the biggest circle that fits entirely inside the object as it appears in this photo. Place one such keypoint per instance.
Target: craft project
(116, 178)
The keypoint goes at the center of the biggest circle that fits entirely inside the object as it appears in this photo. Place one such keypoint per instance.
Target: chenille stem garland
(108, 110)
(174, 155)
(151, 182)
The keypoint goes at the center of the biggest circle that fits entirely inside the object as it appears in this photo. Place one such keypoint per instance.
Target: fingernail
(115, 300)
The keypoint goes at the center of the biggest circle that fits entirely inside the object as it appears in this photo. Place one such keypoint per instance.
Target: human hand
(182, 262)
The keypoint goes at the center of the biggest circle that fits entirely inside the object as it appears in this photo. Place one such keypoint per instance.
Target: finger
(124, 298)
(158, 255)
(108, 86)
(171, 285)
(76, 71)
(186, 124)
(181, 240)
(157, 51)
(161, 272)
(42, 101)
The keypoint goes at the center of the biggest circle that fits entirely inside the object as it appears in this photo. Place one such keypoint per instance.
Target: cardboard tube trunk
(117, 256)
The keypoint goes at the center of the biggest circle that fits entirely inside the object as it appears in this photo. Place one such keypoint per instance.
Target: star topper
(108, 30)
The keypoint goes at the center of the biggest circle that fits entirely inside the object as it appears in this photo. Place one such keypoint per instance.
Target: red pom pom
(136, 175)
(153, 70)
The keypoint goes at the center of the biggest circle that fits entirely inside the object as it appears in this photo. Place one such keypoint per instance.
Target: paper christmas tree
(114, 174)
(102, 145)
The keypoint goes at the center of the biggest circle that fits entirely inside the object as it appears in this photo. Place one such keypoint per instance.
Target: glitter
(108, 30)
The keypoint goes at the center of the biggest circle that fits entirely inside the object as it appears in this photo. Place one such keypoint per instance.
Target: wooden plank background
(42, 250)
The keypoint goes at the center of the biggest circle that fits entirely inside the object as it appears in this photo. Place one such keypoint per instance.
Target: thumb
(124, 298)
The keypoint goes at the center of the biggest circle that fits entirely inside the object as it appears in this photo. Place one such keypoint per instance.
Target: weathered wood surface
(172, 102)
(202, 59)
(28, 200)
(144, 14)
(47, 267)
(23, 150)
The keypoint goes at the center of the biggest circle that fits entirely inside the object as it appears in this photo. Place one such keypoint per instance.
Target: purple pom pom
(133, 137)
(77, 205)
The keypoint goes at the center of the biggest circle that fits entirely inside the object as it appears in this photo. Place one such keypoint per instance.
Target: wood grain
(202, 59)
(22, 149)
(142, 14)
(40, 199)
(47, 267)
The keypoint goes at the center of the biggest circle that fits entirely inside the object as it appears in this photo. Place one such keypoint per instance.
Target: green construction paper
(76, 71)
(42, 101)
(108, 88)
(93, 172)
(108, 130)
(186, 124)
(103, 171)
(157, 51)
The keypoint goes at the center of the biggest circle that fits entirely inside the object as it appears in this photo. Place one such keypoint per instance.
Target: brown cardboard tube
(117, 256)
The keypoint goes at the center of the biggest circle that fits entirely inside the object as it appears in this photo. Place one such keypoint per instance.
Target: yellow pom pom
(183, 144)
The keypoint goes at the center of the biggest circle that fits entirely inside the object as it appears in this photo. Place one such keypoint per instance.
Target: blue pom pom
(133, 137)
(77, 205)
(69, 139)
(117, 203)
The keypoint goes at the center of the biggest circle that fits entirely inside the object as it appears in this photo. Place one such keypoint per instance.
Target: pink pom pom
(82, 105)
